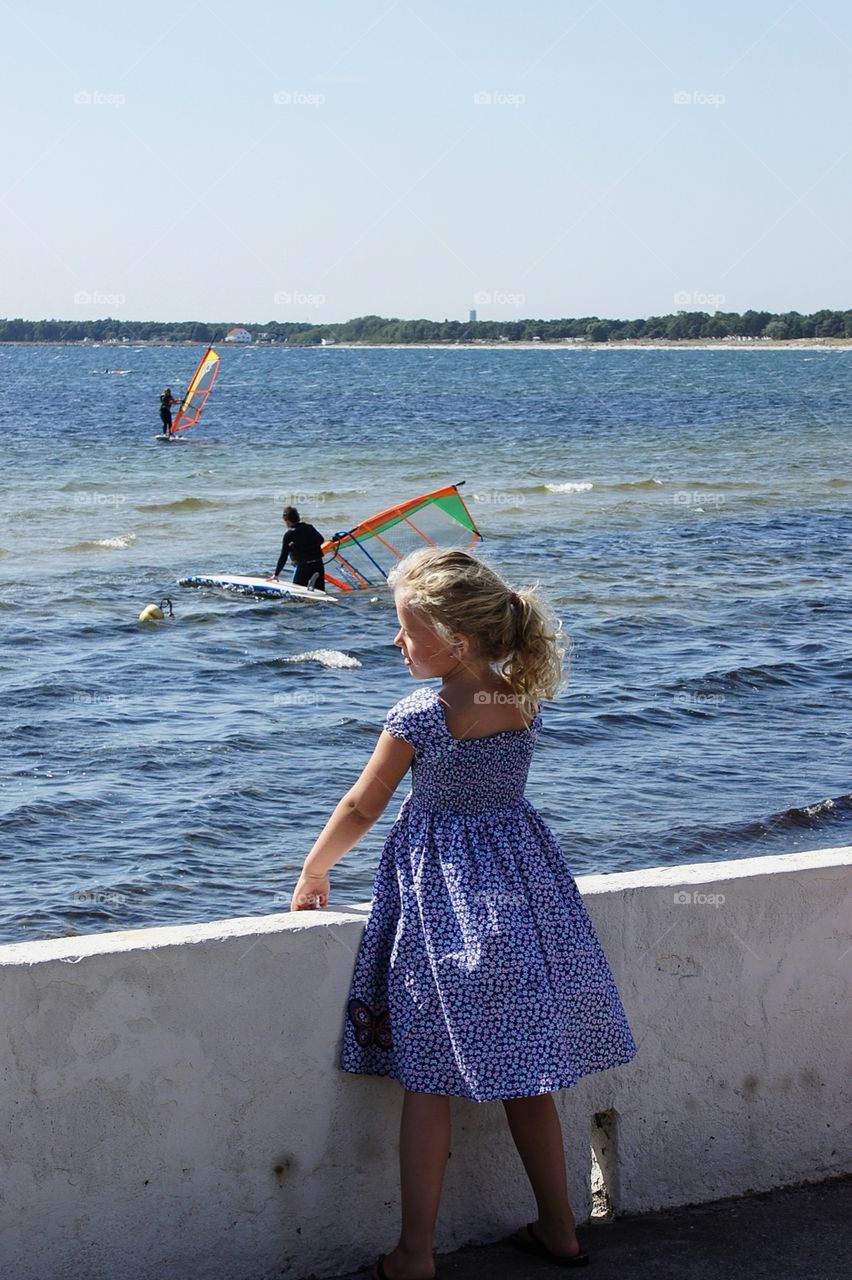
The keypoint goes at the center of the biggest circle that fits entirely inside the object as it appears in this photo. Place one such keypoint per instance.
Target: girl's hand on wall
(311, 892)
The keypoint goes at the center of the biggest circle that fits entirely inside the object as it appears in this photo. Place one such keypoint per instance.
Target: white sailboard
(260, 588)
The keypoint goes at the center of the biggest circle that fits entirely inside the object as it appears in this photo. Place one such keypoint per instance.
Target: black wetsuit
(166, 402)
(304, 547)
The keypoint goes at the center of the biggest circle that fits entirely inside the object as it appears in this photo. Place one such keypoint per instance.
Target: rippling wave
(118, 543)
(331, 658)
(181, 504)
(569, 486)
(825, 821)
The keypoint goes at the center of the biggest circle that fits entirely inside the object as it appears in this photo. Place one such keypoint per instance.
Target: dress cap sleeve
(415, 718)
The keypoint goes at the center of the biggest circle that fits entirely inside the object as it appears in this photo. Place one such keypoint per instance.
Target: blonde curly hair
(516, 631)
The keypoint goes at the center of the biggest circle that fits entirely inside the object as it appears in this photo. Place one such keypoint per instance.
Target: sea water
(686, 511)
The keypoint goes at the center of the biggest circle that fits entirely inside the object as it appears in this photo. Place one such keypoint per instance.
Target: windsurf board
(234, 584)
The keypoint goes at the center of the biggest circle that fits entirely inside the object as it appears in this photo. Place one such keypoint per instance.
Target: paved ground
(799, 1233)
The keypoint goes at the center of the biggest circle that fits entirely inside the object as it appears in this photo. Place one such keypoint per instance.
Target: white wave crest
(115, 543)
(571, 486)
(332, 658)
(823, 806)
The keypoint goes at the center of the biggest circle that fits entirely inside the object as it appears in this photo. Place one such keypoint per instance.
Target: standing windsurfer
(166, 402)
(303, 545)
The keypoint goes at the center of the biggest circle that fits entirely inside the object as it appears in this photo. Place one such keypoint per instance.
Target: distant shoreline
(559, 344)
(642, 344)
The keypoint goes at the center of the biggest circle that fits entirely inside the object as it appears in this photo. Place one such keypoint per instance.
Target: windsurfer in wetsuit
(166, 402)
(303, 545)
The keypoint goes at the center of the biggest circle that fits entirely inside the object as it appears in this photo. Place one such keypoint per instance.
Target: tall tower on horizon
(472, 317)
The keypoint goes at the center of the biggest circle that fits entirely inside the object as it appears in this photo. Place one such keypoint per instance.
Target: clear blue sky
(274, 159)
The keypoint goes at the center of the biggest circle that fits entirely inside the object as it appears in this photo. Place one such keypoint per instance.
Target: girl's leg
(537, 1133)
(424, 1145)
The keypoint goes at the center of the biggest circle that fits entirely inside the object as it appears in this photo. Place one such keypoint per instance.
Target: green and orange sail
(365, 555)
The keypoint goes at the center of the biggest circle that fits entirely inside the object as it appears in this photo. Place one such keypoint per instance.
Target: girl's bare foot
(401, 1265)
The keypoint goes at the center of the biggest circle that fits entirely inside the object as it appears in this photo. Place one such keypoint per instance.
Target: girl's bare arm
(362, 805)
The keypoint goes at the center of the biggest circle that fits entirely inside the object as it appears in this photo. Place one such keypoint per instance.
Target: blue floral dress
(480, 973)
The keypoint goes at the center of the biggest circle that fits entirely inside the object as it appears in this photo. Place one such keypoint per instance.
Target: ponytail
(535, 653)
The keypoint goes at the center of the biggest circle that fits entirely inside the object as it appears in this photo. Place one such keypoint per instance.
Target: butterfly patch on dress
(370, 1027)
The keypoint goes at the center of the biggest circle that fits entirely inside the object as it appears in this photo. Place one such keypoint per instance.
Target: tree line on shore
(377, 329)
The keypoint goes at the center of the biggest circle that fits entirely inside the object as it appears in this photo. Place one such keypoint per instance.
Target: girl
(480, 974)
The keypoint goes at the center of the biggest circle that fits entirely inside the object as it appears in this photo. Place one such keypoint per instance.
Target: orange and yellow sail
(365, 555)
(197, 392)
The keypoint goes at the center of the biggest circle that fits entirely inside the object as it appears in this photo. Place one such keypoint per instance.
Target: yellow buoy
(151, 613)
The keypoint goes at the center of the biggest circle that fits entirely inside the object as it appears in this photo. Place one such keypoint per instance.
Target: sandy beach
(572, 344)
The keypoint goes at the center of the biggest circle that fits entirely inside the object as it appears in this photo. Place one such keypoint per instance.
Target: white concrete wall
(171, 1105)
